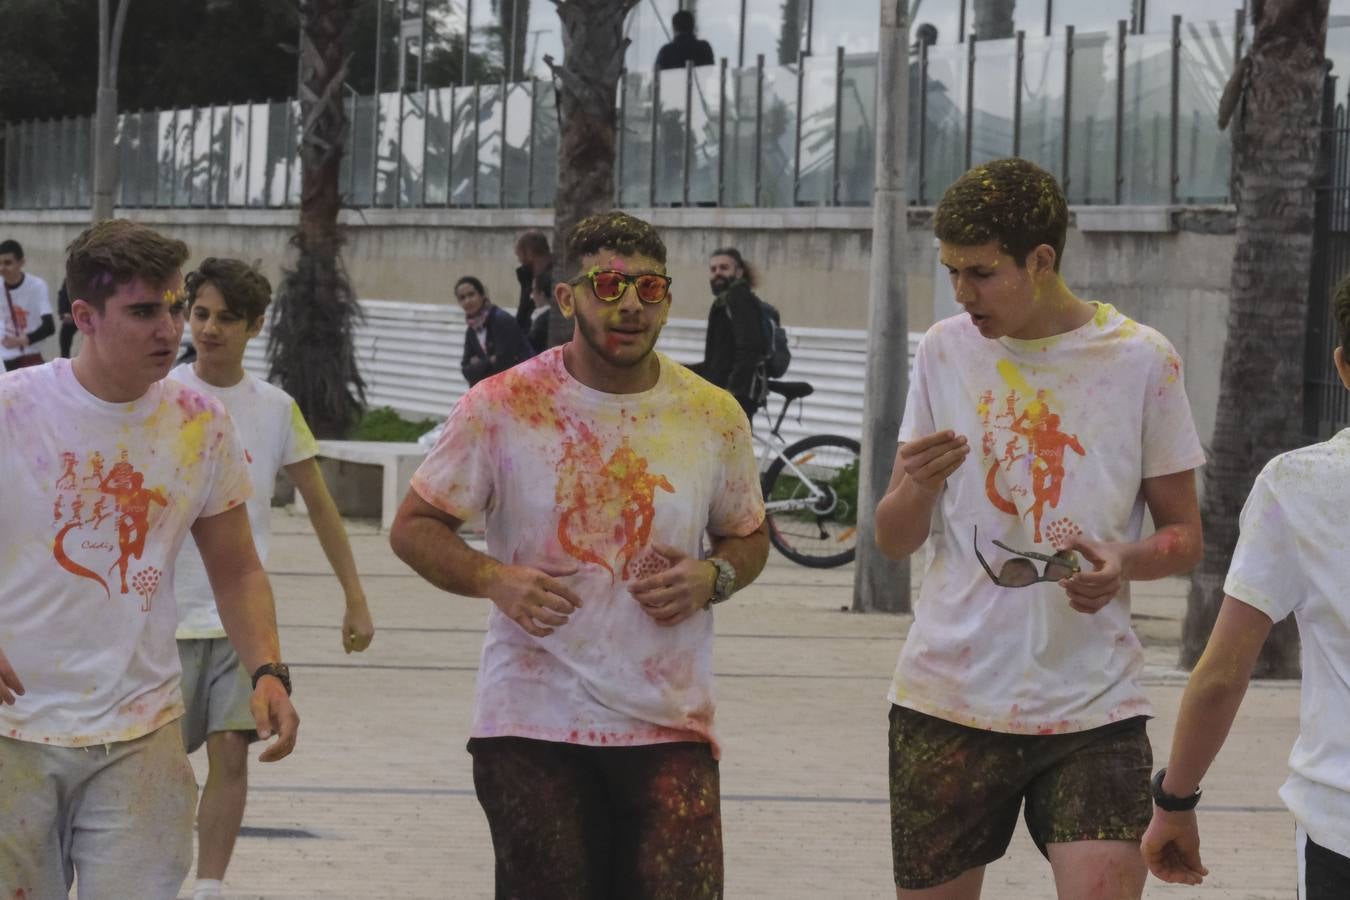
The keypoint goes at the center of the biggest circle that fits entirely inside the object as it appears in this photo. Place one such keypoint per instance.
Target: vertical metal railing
(1118, 191)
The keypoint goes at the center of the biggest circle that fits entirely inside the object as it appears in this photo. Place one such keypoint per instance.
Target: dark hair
(535, 243)
(749, 274)
(616, 231)
(11, 248)
(245, 290)
(116, 252)
(682, 22)
(544, 282)
(477, 285)
(1341, 301)
(1012, 201)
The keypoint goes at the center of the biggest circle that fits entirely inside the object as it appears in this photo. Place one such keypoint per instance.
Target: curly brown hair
(1341, 302)
(616, 231)
(246, 291)
(116, 252)
(1012, 201)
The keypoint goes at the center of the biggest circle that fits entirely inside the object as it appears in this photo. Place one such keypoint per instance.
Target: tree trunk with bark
(311, 348)
(587, 82)
(1276, 139)
(994, 19)
(110, 28)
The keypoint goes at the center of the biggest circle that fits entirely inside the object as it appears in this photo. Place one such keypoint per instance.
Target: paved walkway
(377, 801)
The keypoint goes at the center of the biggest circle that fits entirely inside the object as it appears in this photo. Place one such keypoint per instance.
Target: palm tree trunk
(1260, 413)
(588, 80)
(311, 343)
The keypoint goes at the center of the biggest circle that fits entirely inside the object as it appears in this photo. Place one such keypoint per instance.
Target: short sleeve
(918, 418)
(457, 477)
(230, 483)
(300, 444)
(1265, 571)
(738, 504)
(1170, 441)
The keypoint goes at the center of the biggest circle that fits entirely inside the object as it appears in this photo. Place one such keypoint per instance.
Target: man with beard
(734, 345)
(621, 501)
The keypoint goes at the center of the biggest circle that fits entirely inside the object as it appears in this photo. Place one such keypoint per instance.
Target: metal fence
(1118, 117)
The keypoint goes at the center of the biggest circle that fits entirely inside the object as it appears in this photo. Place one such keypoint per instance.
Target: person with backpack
(739, 350)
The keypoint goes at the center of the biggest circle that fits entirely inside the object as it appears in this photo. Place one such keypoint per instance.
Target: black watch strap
(279, 671)
(1170, 802)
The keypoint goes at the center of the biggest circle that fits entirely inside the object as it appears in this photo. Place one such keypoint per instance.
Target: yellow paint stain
(191, 442)
(1037, 401)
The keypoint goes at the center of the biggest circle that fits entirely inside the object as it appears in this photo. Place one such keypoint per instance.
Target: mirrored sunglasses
(608, 285)
(1022, 571)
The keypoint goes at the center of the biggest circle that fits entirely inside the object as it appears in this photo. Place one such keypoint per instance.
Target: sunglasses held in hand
(1022, 572)
(608, 285)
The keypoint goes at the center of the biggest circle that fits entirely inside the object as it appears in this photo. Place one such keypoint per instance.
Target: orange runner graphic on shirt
(1024, 447)
(84, 542)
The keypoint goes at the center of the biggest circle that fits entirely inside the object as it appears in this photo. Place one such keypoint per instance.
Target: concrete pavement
(377, 802)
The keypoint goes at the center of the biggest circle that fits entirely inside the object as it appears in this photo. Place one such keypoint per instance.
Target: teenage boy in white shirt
(227, 299)
(1291, 557)
(26, 316)
(1046, 423)
(111, 464)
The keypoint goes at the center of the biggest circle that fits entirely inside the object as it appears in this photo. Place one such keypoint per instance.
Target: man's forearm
(1171, 550)
(904, 518)
(249, 616)
(440, 555)
(747, 554)
(332, 535)
(1208, 708)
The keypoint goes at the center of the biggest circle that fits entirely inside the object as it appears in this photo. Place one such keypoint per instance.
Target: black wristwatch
(1168, 802)
(280, 671)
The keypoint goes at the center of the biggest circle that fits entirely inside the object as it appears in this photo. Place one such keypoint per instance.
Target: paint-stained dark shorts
(955, 791)
(601, 823)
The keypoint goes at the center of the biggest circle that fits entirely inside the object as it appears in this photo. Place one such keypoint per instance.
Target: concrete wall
(1166, 267)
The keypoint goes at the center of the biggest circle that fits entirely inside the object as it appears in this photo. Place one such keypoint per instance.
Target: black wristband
(1169, 802)
(279, 671)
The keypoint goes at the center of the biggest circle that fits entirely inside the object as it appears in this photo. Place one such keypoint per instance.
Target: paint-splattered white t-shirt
(1293, 557)
(274, 434)
(571, 477)
(97, 499)
(1062, 432)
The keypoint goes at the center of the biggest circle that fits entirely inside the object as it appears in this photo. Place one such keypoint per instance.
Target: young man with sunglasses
(621, 499)
(1290, 558)
(1040, 421)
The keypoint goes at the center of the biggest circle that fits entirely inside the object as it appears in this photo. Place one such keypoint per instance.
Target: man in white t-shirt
(226, 300)
(1291, 557)
(1037, 430)
(622, 500)
(109, 468)
(26, 316)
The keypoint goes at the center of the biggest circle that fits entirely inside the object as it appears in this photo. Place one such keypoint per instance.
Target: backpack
(777, 356)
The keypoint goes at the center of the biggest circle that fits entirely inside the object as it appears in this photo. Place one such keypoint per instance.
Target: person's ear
(82, 313)
(1041, 261)
(1342, 366)
(255, 327)
(565, 299)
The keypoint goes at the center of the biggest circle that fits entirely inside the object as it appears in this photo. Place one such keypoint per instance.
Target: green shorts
(216, 691)
(956, 791)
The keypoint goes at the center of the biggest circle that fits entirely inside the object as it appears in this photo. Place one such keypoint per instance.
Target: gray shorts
(216, 691)
(118, 816)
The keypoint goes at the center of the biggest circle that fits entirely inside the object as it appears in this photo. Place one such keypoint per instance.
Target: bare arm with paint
(357, 628)
(922, 466)
(427, 539)
(244, 601)
(1173, 548)
(1171, 846)
(675, 594)
(10, 685)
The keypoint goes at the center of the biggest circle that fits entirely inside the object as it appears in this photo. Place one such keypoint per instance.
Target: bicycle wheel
(812, 504)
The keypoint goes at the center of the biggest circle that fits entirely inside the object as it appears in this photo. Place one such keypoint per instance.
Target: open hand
(274, 714)
(929, 460)
(536, 601)
(1089, 592)
(1171, 847)
(674, 594)
(10, 685)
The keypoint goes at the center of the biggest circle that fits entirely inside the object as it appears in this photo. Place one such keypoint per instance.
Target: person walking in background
(227, 299)
(545, 311)
(685, 46)
(493, 341)
(734, 347)
(26, 316)
(535, 258)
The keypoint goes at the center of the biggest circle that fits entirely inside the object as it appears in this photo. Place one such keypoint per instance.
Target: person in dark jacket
(684, 46)
(68, 328)
(535, 259)
(734, 347)
(543, 302)
(493, 341)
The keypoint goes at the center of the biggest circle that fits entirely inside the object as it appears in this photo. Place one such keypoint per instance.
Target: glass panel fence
(1204, 153)
(1146, 156)
(815, 158)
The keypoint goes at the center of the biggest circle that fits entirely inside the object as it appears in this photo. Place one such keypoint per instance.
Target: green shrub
(384, 424)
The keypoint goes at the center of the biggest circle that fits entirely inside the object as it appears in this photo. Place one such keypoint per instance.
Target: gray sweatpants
(119, 816)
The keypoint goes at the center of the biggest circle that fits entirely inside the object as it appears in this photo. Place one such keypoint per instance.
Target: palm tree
(310, 348)
(588, 81)
(1275, 145)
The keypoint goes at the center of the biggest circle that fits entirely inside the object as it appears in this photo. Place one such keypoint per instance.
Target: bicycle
(810, 489)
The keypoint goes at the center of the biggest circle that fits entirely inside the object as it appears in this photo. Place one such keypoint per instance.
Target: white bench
(355, 497)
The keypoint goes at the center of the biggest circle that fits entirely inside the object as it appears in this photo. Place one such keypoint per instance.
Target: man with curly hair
(622, 501)
(1039, 428)
(111, 466)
